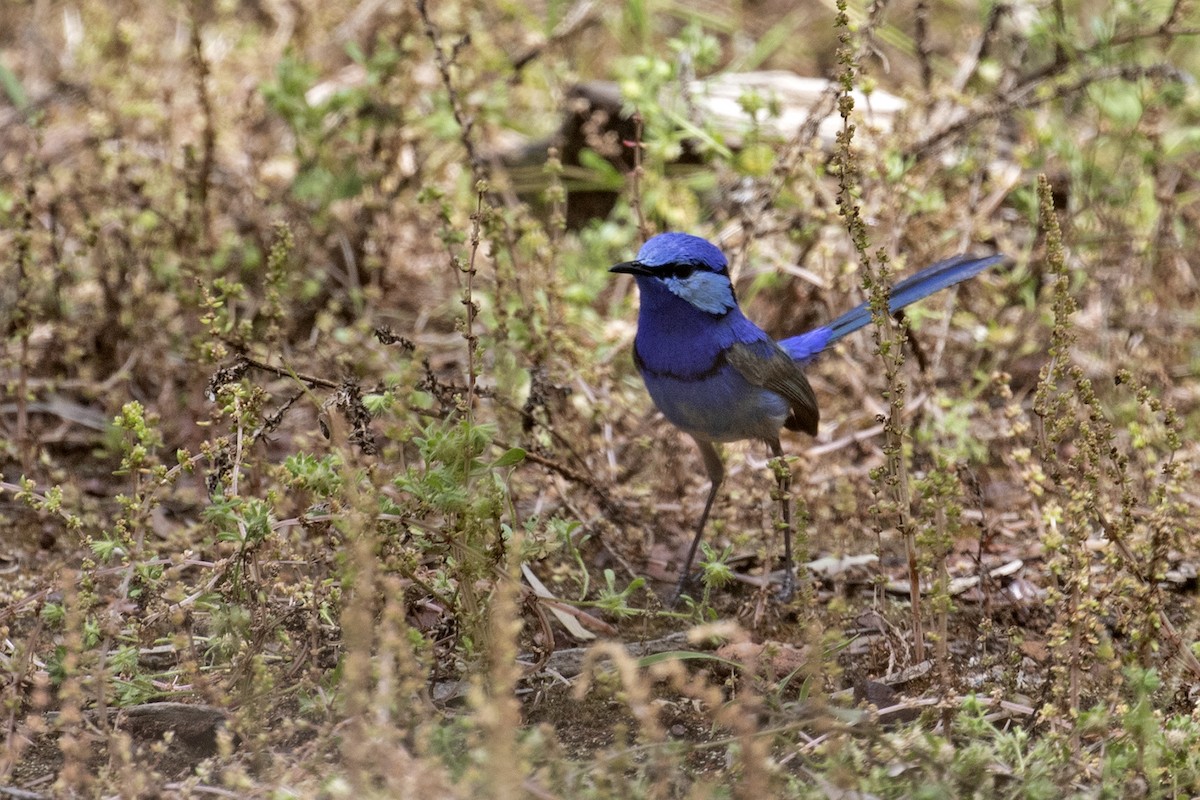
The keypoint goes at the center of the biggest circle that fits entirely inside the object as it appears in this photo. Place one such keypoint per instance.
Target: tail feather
(917, 286)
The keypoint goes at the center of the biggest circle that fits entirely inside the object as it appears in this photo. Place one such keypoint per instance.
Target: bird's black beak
(631, 268)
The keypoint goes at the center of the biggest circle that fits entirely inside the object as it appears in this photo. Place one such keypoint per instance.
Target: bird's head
(688, 267)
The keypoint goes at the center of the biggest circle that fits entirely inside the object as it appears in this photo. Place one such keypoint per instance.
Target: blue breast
(680, 351)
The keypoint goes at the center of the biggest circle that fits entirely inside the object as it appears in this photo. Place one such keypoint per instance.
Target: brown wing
(765, 364)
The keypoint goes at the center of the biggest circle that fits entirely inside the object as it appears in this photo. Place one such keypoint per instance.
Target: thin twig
(1027, 96)
(466, 123)
(201, 223)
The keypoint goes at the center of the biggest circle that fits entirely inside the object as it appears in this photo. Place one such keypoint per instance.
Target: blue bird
(718, 377)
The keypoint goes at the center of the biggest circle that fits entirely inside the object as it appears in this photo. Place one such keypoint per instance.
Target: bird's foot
(787, 589)
(684, 581)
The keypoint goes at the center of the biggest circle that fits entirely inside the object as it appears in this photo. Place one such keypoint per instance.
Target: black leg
(716, 474)
(788, 589)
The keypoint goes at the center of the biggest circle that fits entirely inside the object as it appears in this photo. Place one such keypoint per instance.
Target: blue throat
(676, 339)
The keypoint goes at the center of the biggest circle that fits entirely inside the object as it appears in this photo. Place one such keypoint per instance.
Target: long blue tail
(918, 286)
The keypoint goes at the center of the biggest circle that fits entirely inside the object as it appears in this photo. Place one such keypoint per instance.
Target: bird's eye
(676, 270)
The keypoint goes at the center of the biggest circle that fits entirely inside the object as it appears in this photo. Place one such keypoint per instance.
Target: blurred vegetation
(323, 456)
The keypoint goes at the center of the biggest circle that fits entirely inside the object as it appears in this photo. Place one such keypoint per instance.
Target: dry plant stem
(797, 148)
(897, 474)
(889, 339)
(921, 35)
(202, 221)
(466, 589)
(941, 621)
(236, 469)
(1168, 24)
(466, 123)
(782, 494)
(312, 381)
(556, 194)
(1050, 406)
(22, 322)
(497, 705)
(754, 748)
(469, 301)
(971, 61)
(1178, 644)
(358, 615)
(20, 669)
(635, 179)
(74, 774)
(1146, 571)
(100, 682)
(1032, 94)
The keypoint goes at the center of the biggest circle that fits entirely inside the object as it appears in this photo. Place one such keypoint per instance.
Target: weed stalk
(889, 338)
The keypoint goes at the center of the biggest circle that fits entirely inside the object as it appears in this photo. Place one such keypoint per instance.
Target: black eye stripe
(676, 270)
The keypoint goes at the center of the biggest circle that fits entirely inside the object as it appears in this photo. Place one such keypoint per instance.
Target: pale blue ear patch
(707, 291)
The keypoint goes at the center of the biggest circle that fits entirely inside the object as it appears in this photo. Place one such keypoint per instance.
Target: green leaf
(596, 173)
(513, 457)
(686, 655)
(13, 88)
